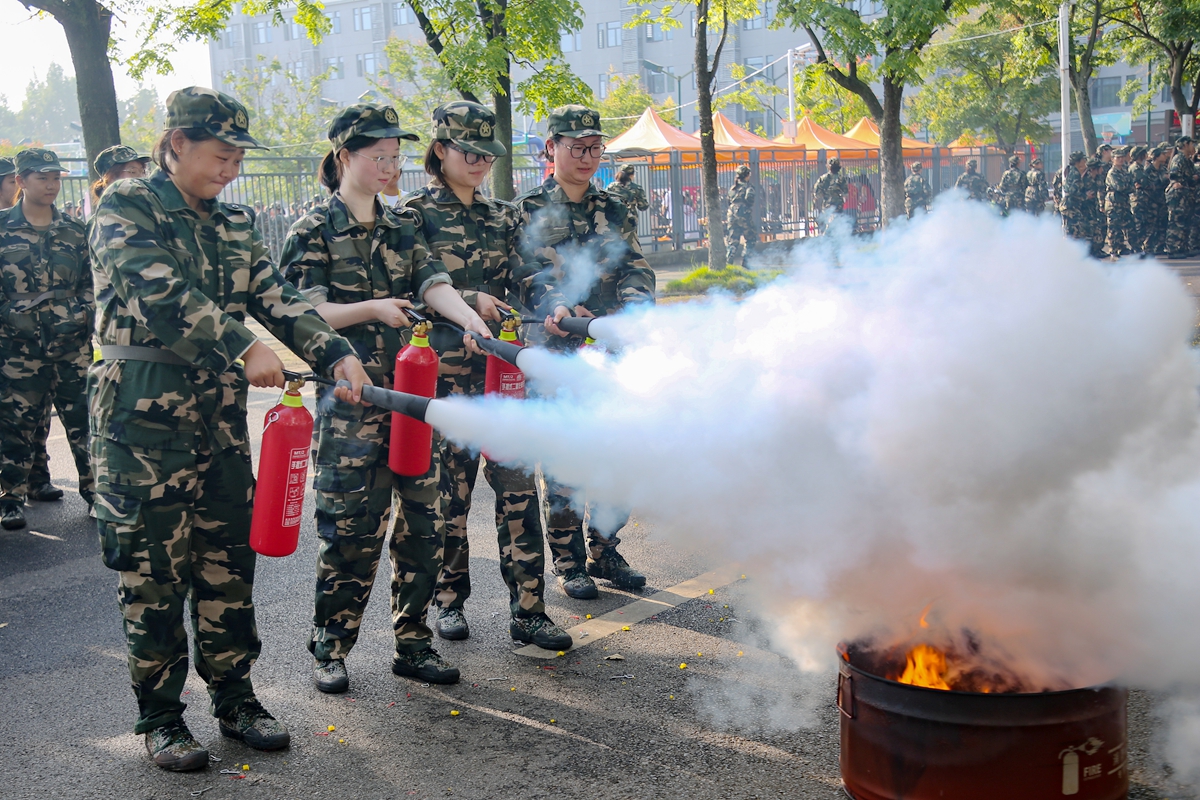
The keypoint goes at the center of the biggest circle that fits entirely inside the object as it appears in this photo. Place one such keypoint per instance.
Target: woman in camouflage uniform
(359, 263)
(176, 272)
(475, 237)
(115, 163)
(46, 310)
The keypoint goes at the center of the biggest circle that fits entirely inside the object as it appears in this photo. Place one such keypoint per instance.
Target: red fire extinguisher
(502, 377)
(282, 472)
(411, 448)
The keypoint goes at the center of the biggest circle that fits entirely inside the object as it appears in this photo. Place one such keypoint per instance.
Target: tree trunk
(88, 26)
(1185, 110)
(1083, 103)
(502, 171)
(891, 152)
(714, 208)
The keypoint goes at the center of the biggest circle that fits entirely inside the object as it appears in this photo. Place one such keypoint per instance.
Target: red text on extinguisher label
(293, 504)
(511, 383)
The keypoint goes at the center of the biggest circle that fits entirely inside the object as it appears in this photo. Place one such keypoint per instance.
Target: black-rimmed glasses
(472, 158)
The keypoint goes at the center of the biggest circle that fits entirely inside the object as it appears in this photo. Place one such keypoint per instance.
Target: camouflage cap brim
(236, 138)
(583, 133)
(480, 147)
(389, 133)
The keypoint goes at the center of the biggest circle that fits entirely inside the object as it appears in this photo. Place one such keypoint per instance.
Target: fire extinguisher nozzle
(577, 326)
(410, 405)
(505, 351)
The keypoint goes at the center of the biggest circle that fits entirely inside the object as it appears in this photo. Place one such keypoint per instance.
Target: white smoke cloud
(964, 412)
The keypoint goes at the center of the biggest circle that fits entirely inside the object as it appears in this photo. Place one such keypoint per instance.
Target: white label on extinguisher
(512, 383)
(293, 504)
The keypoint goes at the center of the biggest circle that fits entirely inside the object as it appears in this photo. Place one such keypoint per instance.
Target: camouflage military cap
(1104, 148)
(1036, 160)
(743, 171)
(367, 119)
(118, 154)
(215, 112)
(574, 122)
(1183, 140)
(917, 166)
(36, 159)
(973, 162)
(628, 169)
(1095, 163)
(470, 126)
(1076, 156)
(835, 162)
(1121, 151)
(1158, 150)
(1140, 151)
(7, 167)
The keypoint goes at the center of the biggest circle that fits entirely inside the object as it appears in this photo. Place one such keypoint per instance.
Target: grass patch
(736, 280)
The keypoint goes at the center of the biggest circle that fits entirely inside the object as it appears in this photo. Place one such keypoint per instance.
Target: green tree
(626, 101)
(415, 83)
(1163, 33)
(479, 41)
(712, 20)
(286, 110)
(50, 112)
(1036, 47)
(87, 25)
(142, 119)
(823, 99)
(843, 38)
(977, 83)
(751, 93)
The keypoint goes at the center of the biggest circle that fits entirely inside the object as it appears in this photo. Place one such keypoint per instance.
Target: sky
(31, 44)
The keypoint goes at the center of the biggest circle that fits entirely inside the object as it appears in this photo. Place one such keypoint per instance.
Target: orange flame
(926, 666)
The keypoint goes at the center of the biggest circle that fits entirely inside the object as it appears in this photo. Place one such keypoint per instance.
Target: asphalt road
(738, 722)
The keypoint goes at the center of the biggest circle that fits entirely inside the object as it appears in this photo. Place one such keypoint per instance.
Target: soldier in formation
(971, 182)
(176, 272)
(1010, 192)
(1075, 199)
(1152, 207)
(1119, 188)
(1036, 192)
(829, 194)
(567, 224)
(1181, 199)
(362, 265)
(917, 193)
(741, 220)
(628, 192)
(46, 313)
(115, 163)
(475, 238)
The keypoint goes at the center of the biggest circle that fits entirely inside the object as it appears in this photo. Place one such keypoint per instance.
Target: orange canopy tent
(651, 134)
(727, 132)
(814, 137)
(866, 131)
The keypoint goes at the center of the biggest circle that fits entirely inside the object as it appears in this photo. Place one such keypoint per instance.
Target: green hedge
(737, 280)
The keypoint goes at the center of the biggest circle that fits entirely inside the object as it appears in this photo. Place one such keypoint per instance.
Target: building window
(760, 21)
(402, 14)
(366, 64)
(262, 33)
(602, 87)
(233, 36)
(337, 68)
(299, 69)
(657, 83)
(608, 34)
(362, 18)
(1104, 92)
(656, 33)
(571, 42)
(335, 21)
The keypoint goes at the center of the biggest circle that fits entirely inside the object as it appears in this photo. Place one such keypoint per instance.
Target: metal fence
(283, 186)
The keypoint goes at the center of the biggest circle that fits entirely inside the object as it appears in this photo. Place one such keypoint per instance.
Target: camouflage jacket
(830, 191)
(1183, 170)
(1118, 187)
(585, 253)
(1012, 187)
(741, 198)
(1036, 193)
(632, 195)
(1153, 189)
(916, 191)
(1074, 194)
(46, 300)
(974, 184)
(167, 279)
(321, 260)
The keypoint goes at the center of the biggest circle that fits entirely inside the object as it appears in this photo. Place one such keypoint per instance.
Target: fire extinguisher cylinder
(282, 476)
(411, 446)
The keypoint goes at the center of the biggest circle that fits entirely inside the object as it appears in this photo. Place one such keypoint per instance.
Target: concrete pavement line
(521, 720)
(612, 622)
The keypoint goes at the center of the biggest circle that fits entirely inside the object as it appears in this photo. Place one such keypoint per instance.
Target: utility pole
(1064, 79)
(789, 126)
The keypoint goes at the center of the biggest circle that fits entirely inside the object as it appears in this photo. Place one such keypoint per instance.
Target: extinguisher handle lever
(305, 377)
(505, 351)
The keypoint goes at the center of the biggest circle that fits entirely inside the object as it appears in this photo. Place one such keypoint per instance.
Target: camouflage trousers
(359, 499)
(912, 209)
(737, 230)
(1179, 223)
(1154, 228)
(29, 383)
(518, 531)
(176, 527)
(565, 526)
(1122, 234)
(39, 472)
